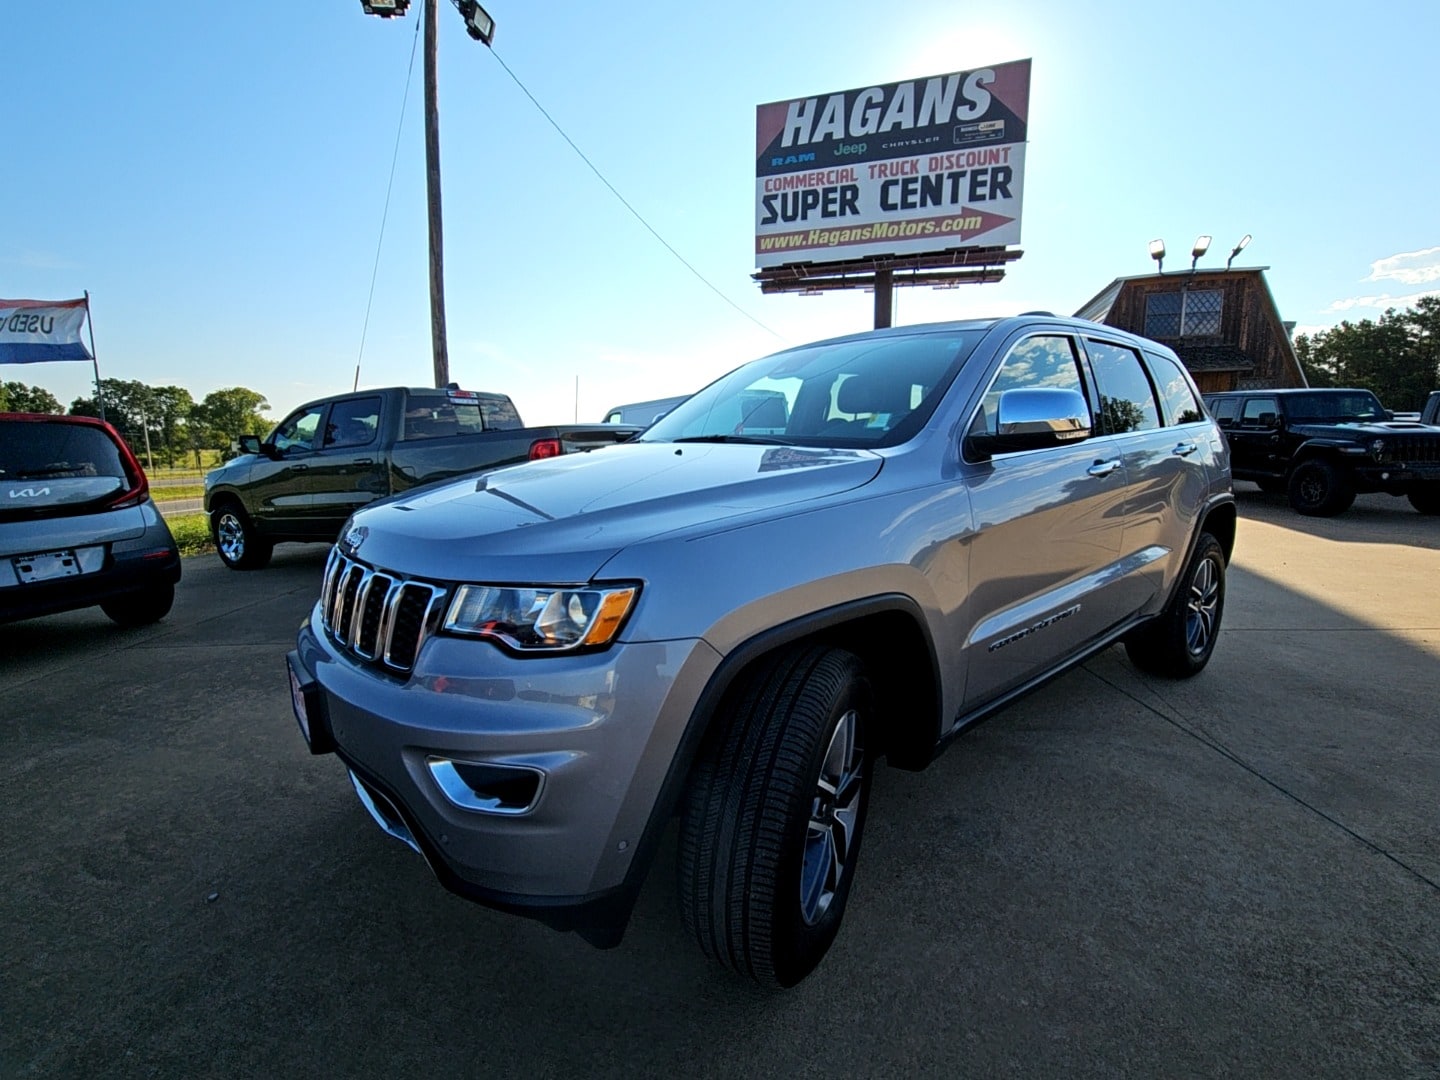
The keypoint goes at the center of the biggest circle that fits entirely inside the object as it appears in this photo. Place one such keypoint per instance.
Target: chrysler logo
(352, 540)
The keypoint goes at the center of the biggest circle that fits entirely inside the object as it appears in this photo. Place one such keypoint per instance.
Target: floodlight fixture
(384, 8)
(1244, 242)
(1157, 252)
(478, 23)
(1202, 245)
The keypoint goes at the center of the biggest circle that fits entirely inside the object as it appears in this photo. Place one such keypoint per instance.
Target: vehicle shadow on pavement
(1374, 519)
(1118, 875)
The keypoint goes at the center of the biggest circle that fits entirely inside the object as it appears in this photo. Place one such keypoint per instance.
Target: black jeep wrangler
(1324, 447)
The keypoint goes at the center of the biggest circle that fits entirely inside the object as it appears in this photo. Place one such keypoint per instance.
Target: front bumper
(589, 739)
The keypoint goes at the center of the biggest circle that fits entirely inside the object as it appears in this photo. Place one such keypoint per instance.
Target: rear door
(1150, 407)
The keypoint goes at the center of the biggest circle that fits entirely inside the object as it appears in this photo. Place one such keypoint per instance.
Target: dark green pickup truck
(330, 457)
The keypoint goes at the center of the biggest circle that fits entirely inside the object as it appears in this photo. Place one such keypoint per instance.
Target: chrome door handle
(1185, 449)
(369, 461)
(1103, 468)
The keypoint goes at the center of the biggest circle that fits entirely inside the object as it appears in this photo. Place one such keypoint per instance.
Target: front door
(279, 485)
(1048, 527)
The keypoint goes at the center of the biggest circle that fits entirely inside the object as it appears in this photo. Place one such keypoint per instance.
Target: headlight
(541, 618)
(1377, 449)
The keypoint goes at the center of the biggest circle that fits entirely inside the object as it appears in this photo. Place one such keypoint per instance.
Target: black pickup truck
(330, 457)
(1323, 447)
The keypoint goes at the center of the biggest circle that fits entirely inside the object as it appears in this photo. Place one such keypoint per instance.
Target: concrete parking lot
(1236, 875)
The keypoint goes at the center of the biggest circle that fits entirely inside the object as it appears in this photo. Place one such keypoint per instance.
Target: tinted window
(1225, 409)
(1334, 407)
(1047, 360)
(1259, 412)
(353, 423)
(498, 413)
(438, 415)
(1176, 393)
(296, 432)
(1127, 402)
(31, 450)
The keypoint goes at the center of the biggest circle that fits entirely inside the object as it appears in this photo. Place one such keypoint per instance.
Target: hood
(559, 520)
(1373, 428)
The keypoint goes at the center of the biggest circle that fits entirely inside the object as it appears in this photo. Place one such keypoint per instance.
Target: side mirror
(249, 444)
(1034, 418)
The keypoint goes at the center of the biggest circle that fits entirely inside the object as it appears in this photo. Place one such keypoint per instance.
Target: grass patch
(178, 491)
(191, 532)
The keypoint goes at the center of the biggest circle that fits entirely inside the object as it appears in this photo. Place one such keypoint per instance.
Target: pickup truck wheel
(140, 608)
(770, 829)
(1426, 499)
(236, 541)
(1178, 643)
(1320, 488)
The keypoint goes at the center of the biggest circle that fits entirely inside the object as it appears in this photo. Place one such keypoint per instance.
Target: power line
(369, 300)
(625, 202)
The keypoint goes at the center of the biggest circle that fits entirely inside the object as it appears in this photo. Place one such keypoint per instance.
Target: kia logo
(28, 493)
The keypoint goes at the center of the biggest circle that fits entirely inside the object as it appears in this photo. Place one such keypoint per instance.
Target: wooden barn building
(1222, 323)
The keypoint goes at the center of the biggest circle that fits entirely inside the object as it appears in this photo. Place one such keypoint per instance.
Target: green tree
(130, 406)
(17, 397)
(173, 405)
(227, 414)
(1397, 356)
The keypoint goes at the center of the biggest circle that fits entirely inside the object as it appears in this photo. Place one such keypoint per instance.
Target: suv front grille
(1415, 449)
(375, 616)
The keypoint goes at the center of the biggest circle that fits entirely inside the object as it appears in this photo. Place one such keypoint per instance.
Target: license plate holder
(308, 703)
(46, 566)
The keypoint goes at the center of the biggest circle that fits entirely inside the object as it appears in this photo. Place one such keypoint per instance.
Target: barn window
(1187, 313)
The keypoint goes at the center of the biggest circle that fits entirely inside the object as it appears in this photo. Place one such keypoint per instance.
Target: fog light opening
(485, 788)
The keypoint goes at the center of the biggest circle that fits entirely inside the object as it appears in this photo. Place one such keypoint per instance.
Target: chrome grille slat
(376, 616)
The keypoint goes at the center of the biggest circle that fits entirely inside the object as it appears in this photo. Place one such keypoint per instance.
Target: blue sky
(214, 174)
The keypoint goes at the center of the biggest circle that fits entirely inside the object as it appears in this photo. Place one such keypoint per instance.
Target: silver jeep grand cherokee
(844, 551)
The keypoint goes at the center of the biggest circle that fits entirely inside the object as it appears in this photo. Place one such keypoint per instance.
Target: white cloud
(1408, 267)
(1380, 302)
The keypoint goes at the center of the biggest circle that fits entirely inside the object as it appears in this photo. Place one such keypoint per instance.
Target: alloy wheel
(834, 813)
(1201, 607)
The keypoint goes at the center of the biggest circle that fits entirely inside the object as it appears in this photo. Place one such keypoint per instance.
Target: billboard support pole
(884, 298)
(94, 356)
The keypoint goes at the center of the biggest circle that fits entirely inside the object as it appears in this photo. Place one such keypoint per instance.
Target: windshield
(1358, 405)
(871, 392)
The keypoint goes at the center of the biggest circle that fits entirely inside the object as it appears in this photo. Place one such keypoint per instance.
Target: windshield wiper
(752, 439)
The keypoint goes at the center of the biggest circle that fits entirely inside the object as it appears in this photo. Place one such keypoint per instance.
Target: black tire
(759, 823)
(237, 543)
(1178, 643)
(1425, 498)
(1320, 488)
(1272, 485)
(140, 608)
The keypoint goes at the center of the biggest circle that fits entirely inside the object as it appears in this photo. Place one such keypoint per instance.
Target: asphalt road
(1119, 876)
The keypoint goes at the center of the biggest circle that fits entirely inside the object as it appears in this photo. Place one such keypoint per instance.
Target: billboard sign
(908, 168)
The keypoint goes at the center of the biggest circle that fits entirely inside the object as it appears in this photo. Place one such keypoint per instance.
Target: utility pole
(480, 26)
(432, 200)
